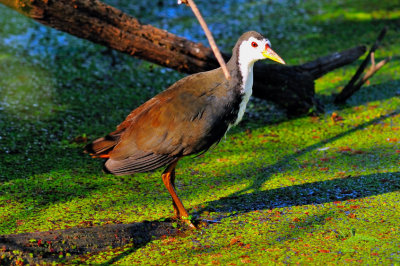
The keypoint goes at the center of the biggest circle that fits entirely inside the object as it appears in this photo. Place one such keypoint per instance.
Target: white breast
(246, 92)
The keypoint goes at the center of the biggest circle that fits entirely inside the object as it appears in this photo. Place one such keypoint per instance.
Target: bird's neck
(241, 70)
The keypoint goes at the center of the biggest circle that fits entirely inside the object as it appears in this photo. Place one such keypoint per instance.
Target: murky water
(225, 19)
(31, 47)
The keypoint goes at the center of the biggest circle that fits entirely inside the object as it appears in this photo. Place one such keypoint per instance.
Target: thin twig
(209, 36)
(372, 59)
(374, 69)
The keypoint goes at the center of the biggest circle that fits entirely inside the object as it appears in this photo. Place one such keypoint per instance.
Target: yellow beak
(270, 54)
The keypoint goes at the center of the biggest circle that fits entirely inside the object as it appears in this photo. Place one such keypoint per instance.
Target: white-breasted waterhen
(186, 119)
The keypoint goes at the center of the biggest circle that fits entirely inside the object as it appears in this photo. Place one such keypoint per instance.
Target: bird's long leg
(176, 210)
(168, 178)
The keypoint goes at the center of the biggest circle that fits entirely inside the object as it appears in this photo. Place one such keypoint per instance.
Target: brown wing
(175, 123)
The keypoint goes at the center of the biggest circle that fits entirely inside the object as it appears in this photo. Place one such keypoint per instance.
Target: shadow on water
(350, 187)
(80, 241)
(258, 182)
(40, 247)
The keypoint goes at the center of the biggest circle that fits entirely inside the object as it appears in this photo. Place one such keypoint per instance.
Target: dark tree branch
(356, 82)
(325, 64)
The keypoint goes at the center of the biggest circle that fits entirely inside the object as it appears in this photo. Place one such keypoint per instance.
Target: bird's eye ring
(254, 44)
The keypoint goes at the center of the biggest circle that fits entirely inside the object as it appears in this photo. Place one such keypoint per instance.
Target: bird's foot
(192, 222)
(189, 223)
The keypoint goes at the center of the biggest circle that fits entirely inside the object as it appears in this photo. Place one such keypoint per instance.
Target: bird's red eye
(254, 44)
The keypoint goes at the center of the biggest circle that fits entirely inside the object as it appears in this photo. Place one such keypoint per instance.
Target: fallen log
(289, 86)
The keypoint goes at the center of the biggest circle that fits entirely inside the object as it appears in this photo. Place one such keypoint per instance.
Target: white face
(251, 50)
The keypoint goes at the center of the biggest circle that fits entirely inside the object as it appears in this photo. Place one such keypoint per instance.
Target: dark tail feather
(102, 146)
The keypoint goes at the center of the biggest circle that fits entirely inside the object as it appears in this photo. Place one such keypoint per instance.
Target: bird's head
(253, 46)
